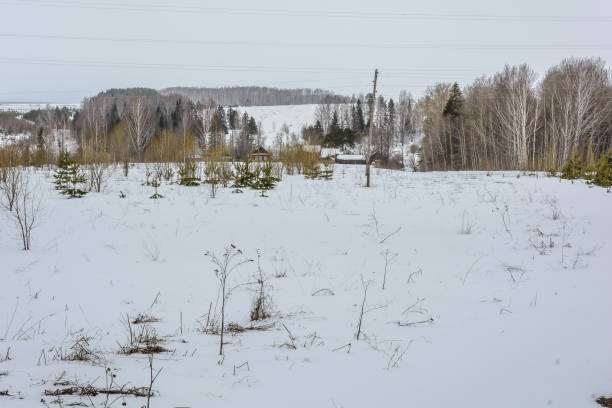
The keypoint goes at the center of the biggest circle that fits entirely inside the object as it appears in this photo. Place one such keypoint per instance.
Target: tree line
(510, 120)
(256, 95)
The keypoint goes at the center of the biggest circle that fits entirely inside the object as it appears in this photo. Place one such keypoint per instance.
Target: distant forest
(256, 95)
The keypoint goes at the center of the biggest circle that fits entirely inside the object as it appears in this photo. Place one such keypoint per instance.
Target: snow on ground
(272, 118)
(9, 139)
(514, 271)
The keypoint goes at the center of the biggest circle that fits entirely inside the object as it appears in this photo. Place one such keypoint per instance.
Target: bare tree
(27, 209)
(515, 106)
(140, 124)
(10, 182)
(225, 265)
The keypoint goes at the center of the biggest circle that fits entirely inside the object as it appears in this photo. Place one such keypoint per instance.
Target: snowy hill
(273, 118)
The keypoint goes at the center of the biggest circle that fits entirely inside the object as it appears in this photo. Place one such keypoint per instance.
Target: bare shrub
(27, 209)
(262, 303)
(389, 259)
(225, 265)
(80, 350)
(10, 182)
(144, 318)
(365, 285)
(141, 340)
(466, 225)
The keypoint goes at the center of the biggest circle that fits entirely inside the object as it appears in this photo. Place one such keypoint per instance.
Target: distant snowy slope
(26, 107)
(272, 118)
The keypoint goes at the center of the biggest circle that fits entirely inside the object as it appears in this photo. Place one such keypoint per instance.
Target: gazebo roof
(260, 150)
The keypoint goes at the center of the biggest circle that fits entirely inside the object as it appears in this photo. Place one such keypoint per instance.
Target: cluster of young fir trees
(512, 121)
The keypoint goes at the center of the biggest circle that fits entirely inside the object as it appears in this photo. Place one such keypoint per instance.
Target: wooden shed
(260, 155)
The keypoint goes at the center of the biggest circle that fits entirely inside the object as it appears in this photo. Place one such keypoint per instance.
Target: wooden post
(371, 127)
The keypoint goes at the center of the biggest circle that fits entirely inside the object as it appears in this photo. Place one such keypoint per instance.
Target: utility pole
(371, 127)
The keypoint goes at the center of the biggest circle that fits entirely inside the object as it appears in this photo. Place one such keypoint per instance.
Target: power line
(398, 15)
(504, 47)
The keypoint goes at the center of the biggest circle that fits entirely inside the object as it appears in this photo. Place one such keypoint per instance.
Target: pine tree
(455, 102)
(187, 173)
(252, 127)
(177, 114)
(155, 183)
(265, 180)
(358, 123)
(243, 176)
(221, 121)
(574, 168)
(68, 177)
(603, 175)
(391, 116)
(113, 117)
(334, 123)
(233, 118)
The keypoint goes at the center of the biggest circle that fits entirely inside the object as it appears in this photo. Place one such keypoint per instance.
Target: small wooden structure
(260, 155)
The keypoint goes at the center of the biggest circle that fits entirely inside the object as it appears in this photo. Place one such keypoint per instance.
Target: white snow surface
(272, 118)
(520, 305)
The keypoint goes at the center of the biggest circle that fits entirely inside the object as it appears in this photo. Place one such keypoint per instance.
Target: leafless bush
(144, 318)
(225, 265)
(98, 173)
(152, 250)
(389, 258)
(27, 209)
(466, 225)
(553, 203)
(110, 388)
(80, 350)
(10, 182)
(262, 303)
(365, 286)
(152, 377)
(141, 340)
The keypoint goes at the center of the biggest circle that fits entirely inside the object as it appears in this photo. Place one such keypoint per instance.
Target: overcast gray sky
(63, 50)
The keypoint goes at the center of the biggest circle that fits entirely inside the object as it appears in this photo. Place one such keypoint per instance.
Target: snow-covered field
(501, 285)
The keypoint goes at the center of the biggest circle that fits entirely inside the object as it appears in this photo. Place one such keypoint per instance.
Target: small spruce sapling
(265, 180)
(243, 176)
(155, 183)
(187, 174)
(68, 177)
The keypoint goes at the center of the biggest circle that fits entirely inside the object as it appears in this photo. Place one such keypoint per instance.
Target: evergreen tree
(233, 118)
(334, 123)
(162, 122)
(252, 127)
(391, 116)
(318, 128)
(265, 180)
(455, 102)
(603, 175)
(358, 123)
(68, 177)
(221, 120)
(177, 114)
(113, 117)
